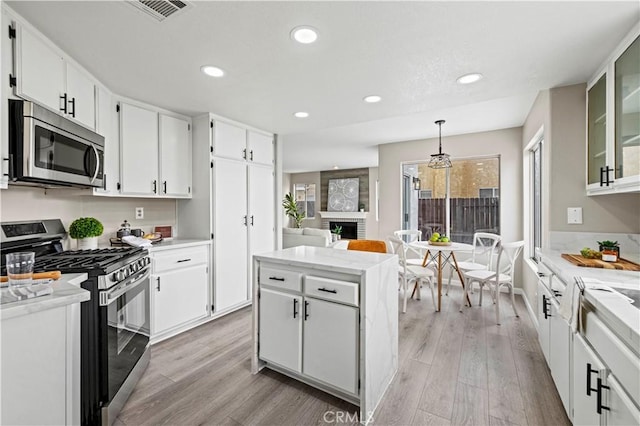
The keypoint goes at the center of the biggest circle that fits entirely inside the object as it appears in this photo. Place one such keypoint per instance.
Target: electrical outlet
(139, 212)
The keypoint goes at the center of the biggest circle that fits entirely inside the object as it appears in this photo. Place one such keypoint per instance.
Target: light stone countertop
(620, 315)
(66, 291)
(177, 243)
(346, 261)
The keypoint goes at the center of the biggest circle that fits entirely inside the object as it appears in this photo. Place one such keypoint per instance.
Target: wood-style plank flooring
(455, 368)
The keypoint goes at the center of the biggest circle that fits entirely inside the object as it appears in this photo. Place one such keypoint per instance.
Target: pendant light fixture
(440, 160)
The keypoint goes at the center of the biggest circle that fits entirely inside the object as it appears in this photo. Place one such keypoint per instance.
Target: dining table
(441, 254)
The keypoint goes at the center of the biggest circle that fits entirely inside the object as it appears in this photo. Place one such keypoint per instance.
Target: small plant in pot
(610, 250)
(337, 232)
(86, 230)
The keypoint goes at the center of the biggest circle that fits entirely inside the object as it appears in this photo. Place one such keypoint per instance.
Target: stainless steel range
(114, 323)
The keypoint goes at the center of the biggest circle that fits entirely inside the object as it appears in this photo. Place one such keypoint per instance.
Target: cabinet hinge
(12, 32)
(211, 124)
(12, 81)
(118, 108)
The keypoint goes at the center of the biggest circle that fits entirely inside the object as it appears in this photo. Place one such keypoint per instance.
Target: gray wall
(25, 203)
(309, 178)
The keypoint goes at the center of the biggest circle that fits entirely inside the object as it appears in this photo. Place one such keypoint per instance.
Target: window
(536, 198)
(305, 195)
(459, 201)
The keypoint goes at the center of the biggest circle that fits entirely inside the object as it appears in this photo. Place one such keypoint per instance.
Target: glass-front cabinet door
(597, 130)
(627, 112)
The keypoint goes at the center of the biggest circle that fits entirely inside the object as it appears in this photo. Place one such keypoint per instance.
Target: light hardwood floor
(455, 368)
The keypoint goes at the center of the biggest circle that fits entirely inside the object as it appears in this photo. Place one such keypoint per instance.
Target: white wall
(26, 203)
(506, 143)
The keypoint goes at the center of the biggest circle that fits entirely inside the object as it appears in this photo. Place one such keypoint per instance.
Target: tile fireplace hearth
(354, 224)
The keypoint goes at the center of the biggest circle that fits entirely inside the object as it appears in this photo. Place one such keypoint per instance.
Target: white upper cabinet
(175, 156)
(45, 77)
(613, 121)
(238, 143)
(105, 122)
(260, 148)
(81, 98)
(138, 150)
(155, 153)
(229, 141)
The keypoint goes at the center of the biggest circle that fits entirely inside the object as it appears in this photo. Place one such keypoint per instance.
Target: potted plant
(361, 207)
(337, 231)
(610, 250)
(86, 230)
(291, 209)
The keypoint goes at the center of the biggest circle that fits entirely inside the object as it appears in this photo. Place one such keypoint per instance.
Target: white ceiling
(410, 53)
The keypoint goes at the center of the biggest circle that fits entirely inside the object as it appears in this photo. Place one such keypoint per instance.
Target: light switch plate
(574, 215)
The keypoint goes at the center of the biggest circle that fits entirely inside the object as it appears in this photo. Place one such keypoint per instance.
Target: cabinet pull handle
(244, 153)
(251, 155)
(183, 260)
(72, 102)
(306, 310)
(155, 186)
(245, 220)
(64, 102)
(276, 279)
(295, 308)
(599, 406)
(544, 306)
(607, 170)
(251, 220)
(328, 291)
(589, 371)
(158, 286)
(164, 186)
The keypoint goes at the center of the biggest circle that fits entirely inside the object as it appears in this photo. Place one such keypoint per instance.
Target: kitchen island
(40, 367)
(328, 318)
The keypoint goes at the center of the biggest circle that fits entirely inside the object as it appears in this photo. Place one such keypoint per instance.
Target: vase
(89, 243)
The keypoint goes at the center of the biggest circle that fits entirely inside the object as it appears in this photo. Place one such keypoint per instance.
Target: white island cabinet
(328, 318)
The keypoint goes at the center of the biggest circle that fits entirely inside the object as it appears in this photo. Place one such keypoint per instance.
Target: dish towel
(570, 301)
(136, 241)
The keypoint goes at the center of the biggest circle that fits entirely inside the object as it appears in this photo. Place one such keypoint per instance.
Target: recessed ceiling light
(335, 167)
(301, 114)
(212, 71)
(469, 78)
(372, 99)
(304, 34)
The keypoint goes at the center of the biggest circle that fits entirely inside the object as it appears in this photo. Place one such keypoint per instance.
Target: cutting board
(621, 264)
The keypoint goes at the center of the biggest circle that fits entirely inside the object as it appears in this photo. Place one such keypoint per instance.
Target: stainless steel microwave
(47, 149)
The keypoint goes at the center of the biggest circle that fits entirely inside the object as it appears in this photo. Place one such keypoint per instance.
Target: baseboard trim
(532, 314)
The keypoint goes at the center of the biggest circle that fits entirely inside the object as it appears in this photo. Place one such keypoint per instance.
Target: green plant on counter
(85, 227)
(608, 244)
(337, 230)
(291, 209)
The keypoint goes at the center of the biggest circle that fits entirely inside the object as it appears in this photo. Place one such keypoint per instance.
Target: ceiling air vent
(160, 9)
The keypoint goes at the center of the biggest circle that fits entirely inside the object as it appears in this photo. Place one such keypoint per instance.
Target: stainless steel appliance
(47, 149)
(114, 323)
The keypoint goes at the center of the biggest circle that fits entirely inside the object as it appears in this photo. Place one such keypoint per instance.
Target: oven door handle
(107, 297)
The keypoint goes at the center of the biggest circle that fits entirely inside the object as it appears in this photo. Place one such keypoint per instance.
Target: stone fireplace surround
(360, 218)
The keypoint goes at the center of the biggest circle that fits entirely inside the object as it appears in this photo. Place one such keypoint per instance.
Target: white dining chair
(410, 273)
(484, 248)
(410, 236)
(498, 275)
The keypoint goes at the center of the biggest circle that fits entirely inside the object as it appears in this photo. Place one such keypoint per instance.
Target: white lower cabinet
(554, 336)
(281, 329)
(598, 397)
(330, 343)
(314, 337)
(179, 288)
